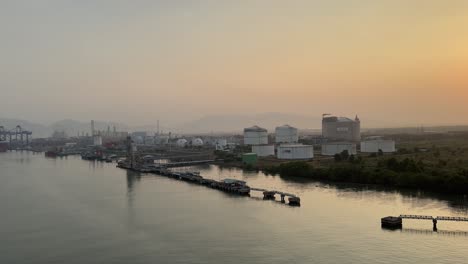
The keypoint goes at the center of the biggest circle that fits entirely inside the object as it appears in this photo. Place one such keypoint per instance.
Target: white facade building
(374, 144)
(295, 152)
(330, 149)
(255, 136)
(286, 134)
(263, 150)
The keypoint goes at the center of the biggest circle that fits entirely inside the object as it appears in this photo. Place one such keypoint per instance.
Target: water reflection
(22, 156)
(418, 198)
(421, 231)
(132, 178)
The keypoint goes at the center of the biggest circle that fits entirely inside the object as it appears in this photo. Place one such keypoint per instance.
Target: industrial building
(341, 128)
(330, 149)
(376, 143)
(286, 134)
(295, 152)
(255, 136)
(263, 150)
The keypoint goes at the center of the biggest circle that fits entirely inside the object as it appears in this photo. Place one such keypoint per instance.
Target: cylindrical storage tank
(263, 150)
(373, 146)
(295, 152)
(181, 142)
(286, 134)
(330, 149)
(255, 136)
(197, 142)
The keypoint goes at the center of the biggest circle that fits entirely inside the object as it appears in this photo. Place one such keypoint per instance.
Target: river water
(74, 211)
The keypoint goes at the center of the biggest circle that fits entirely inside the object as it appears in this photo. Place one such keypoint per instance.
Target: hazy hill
(236, 123)
(70, 127)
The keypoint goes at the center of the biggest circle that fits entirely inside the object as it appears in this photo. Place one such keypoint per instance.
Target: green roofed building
(249, 158)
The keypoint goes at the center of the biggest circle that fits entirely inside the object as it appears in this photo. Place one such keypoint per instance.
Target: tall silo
(286, 134)
(255, 136)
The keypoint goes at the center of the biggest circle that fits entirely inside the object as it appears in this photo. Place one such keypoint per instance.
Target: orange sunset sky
(392, 62)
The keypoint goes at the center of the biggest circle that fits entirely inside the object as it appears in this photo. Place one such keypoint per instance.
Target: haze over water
(74, 211)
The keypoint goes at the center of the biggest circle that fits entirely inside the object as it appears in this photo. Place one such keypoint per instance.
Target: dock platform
(227, 185)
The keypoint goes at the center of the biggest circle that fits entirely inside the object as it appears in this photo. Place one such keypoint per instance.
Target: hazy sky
(396, 61)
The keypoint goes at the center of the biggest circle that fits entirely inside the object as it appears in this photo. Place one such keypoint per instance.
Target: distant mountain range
(204, 125)
(236, 123)
(207, 124)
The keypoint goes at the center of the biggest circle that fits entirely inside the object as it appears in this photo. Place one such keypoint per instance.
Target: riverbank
(435, 163)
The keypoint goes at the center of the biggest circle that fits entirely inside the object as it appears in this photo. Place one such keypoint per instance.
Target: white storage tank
(182, 142)
(286, 134)
(197, 142)
(255, 136)
(374, 144)
(295, 152)
(263, 150)
(330, 149)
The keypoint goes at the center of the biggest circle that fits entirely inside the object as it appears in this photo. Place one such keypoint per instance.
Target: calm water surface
(74, 211)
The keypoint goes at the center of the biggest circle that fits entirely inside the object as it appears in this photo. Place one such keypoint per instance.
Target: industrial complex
(338, 135)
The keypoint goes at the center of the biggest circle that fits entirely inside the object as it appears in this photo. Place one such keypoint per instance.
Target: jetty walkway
(227, 185)
(397, 221)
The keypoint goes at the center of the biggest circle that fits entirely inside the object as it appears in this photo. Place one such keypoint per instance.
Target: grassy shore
(433, 162)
